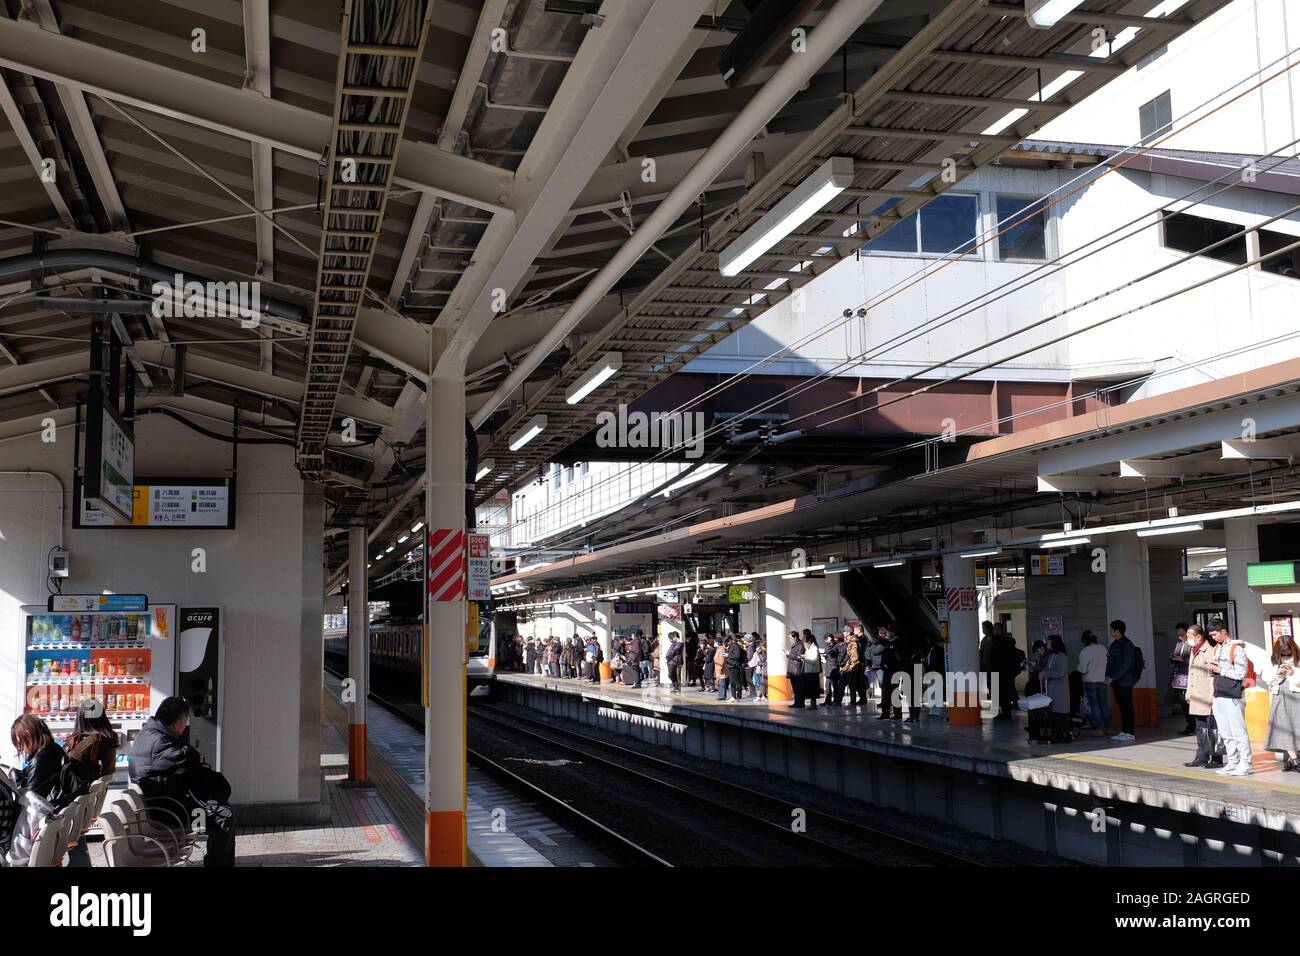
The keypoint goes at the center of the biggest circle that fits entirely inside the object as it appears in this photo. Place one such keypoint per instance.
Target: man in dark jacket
(735, 668)
(168, 769)
(1120, 661)
(1006, 663)
(676, 654)
(632, 663)
(836, 654)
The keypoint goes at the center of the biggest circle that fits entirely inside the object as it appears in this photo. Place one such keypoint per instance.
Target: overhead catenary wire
(1016, 284)
(928, 270)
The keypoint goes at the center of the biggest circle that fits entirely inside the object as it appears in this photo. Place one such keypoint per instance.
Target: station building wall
(266, 575)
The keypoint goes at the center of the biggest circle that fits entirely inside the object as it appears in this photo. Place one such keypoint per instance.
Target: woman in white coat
(1282, 678)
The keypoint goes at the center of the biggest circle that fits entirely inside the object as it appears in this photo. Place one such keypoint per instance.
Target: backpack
(1139, 664)
(75, 778)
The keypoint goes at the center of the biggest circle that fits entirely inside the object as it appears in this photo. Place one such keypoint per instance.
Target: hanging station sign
(165, 503)
(110, 459)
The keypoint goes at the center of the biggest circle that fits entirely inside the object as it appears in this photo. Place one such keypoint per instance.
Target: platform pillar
(1241, 539)
(603, 619)
(1128, 598)
(776, 627)
(446, 612)
(358, 652)
(962, 682)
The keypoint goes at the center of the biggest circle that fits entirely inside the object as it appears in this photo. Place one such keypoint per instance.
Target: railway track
(551, 805)
(691, 804)
(840, 840)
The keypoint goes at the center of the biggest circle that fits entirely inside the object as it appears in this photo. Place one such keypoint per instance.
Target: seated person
(36, 779)
(93, 740)
(168, 769)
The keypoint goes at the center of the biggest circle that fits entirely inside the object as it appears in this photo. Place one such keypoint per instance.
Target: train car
(397, 645)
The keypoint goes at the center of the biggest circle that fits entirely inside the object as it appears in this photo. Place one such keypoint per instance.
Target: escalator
(879, 597)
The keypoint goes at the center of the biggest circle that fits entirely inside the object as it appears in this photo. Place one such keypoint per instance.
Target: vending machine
(115, 650)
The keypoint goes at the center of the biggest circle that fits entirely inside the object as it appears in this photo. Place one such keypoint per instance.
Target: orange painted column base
(779, 690)
(1258, 704)
(357, 752)
(1145, 711)
(964, 710)
(445, 838)
(606, 672)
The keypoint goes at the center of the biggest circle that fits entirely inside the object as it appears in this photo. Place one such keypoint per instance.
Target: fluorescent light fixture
(379, 557)
(403, 539)
(742, 581)
(837, 569)
(1064, 542)
(1172, 529)
(594, 377)
(417, 526)
(1044, 14)
(535, 426)
(891, 563)
(710, 585)
(982, 553)
(390, 549)
(830, 179)
(485, 468)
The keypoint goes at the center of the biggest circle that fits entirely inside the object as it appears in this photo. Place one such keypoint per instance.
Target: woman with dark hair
(93, 740)
(1055, 677)
(1282, 677)
(38, 777)
(42, 757)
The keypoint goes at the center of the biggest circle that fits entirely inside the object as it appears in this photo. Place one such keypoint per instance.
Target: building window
(945, 225)
(1151, 57)
(1187, 233)
(1283, 265)
(1026, 223)
(1156, 116)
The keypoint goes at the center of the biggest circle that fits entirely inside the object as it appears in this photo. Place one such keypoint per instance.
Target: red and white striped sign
(445, 549)
(961, 599)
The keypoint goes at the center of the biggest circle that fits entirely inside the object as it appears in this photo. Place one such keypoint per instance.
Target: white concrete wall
(265, 575)
(1231, 46)
(1244, 313)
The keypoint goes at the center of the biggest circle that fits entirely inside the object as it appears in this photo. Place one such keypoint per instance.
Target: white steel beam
(1175, 467)
(480, 46)
(33, 152)
(83, 127)
(241, 113)
(1198, 431)
(257, 59)
(1265, 448)
(615, 68)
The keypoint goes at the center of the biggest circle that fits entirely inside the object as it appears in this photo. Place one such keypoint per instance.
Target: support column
(603, 619)
(445, 616)
(1128, 597)
(358, 651)
(1241, 539)
(962, 683)
(776, 598)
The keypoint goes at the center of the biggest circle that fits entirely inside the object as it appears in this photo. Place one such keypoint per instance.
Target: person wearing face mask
(1200, 697)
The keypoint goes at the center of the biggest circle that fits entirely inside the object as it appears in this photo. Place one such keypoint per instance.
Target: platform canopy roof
(384, 170)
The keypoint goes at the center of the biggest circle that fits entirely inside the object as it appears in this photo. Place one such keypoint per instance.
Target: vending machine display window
(123, 662)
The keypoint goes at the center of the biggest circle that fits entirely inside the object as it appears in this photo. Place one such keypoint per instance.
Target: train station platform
(987, 778)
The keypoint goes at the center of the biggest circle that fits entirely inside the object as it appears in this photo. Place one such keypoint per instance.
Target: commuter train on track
(396, 646)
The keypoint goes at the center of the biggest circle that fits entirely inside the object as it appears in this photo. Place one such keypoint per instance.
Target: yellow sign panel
(471, 628)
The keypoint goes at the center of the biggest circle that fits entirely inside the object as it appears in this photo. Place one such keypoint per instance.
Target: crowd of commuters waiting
(1209, 673)
(48, 776)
